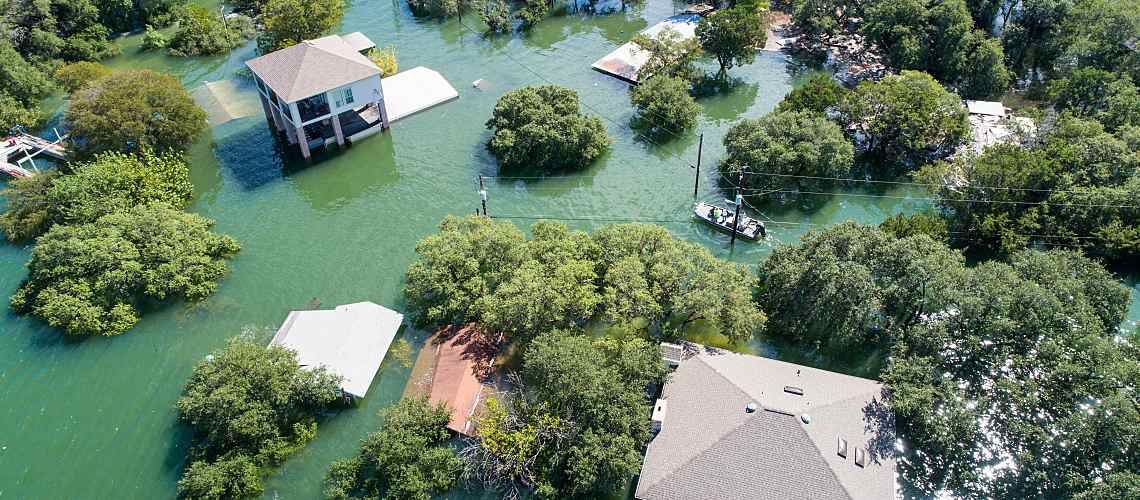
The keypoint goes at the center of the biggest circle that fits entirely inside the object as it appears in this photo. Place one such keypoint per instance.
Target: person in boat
(713, 213)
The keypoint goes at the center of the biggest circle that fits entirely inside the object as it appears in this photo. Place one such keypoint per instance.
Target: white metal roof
(314, 66)
(989, 108)
(350, 341)
(358, 41)
(409, 92)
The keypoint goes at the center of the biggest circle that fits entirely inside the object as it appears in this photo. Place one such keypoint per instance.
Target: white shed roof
(989, 108)
(350, 341)
(358, 41)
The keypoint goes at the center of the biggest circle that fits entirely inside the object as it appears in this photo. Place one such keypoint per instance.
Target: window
(342, 97)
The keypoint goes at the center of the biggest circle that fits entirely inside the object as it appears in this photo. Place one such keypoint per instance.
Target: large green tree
(47, 30)
(1110, 98)
(1018, 387)
(1077, 187)
(542, 127)
(577, 427)
(939, 38)
(1032, 37)
(111, 182)
(785, 153)
(201, 32)
(664, 104)
(408, 459)
(97, 278)
(132, 111)
(820, 93)
(905, 119)
(853, 285)
(288, 22)
(250, 407)
(732, 36)
(488, 272)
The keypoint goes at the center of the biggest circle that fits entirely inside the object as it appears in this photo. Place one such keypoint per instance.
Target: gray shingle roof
(710, 447)
(312, 67)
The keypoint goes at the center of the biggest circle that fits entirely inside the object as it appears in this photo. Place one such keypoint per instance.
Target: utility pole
(483, 195)
(739, 201)
(697, 178)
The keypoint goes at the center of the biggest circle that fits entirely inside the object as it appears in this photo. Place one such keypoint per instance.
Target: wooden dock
(24, 148)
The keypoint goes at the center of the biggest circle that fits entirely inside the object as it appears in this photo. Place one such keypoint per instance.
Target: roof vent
(860, 457)
(750, 408)
(805, 418)
(659, 415)
(793, 390)
(841, 447)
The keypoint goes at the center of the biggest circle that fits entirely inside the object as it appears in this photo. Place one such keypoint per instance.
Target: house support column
(269, 118)
(336, 128)
(303, 142)
(383, 113)
(291, 135)
(278, 120)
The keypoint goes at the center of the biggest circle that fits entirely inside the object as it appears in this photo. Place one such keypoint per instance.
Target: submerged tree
(76, 75)
(664, 104)
(670, 54)
(785, 153)
(96, 278)
(288, 22)
(732, 36)
(250, 407)
(819, 94)
(111, 182)
(496, 14)
(132, 111)
(487, 272)
(201, 32)
(576, 427)
(905, 119)
(407, 459)
(542, 127)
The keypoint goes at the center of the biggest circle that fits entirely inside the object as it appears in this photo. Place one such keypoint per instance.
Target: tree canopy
(76, 75)
(1077, 186)
(664, 105)
(669, 54)
(939, 38)
(576, 425)
(110, 182)
(786, 153)
(407, 459)
(486, 271)
(820, 94)
(1007, 380)
(201, 32)
(285, 23)
(250, 407)
(132, 111)
(96, 278)
(905, 119)
(542, 127)
(732, 36)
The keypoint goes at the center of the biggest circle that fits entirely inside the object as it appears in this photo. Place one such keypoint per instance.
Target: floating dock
(624, 62)
(409, 92)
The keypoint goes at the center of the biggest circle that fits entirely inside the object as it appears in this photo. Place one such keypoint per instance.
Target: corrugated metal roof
(312, 67)
(711, 447)
(350, 341)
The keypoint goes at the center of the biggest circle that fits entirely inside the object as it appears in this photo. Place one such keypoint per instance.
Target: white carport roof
(350, 341)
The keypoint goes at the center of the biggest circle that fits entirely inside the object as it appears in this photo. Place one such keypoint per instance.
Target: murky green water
(94, 418)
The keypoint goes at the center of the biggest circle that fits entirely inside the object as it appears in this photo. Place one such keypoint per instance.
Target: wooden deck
(19, 149)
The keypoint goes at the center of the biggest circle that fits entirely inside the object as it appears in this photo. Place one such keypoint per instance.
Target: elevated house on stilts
(326, 89)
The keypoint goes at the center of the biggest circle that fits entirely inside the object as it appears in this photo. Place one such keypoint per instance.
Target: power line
(923, 184)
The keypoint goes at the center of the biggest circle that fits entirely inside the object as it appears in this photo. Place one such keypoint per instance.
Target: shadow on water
(332, 180)
(250, 152)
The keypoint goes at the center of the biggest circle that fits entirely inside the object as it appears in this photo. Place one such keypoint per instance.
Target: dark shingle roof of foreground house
(314, 66)
(804, 439)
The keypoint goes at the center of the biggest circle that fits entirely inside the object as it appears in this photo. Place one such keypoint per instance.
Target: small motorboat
(721, 217)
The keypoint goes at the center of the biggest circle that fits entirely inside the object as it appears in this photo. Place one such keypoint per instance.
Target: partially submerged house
(625, 61)
(449, 370)
(735, 426)
(350, 341)
(326, 89)
(992, 123)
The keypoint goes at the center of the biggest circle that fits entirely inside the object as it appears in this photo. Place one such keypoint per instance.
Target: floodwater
(95, 418)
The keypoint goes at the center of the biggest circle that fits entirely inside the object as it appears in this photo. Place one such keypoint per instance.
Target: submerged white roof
(350, 341)
(409, 92)
(988, 108)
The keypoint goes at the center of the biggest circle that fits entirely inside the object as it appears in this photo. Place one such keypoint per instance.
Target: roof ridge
(719, 438)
